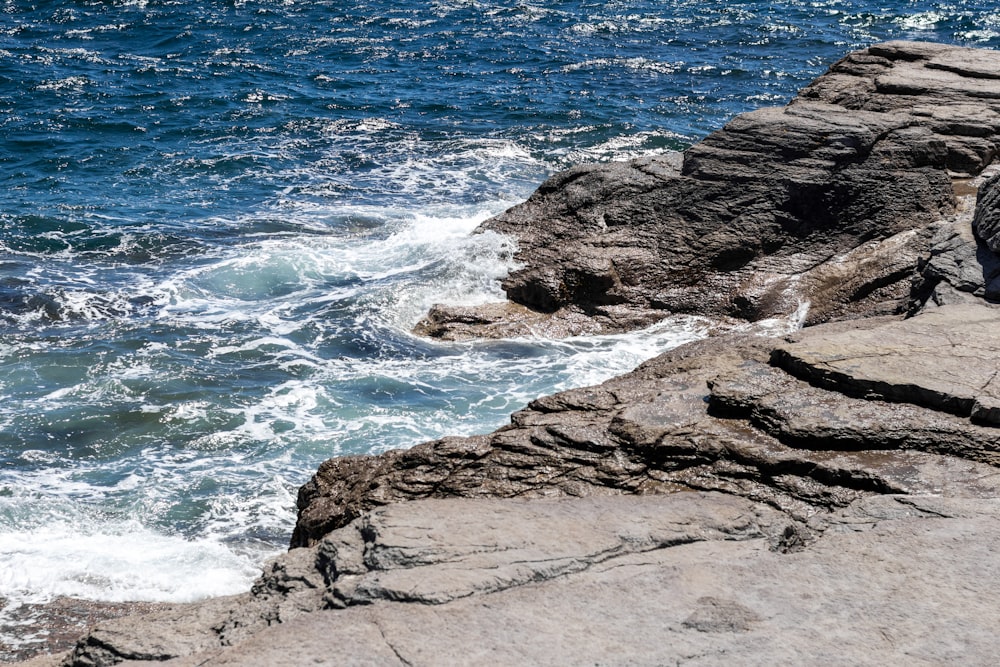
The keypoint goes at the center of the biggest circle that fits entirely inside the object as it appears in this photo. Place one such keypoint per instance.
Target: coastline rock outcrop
(830, 495)
(722, 497)
(803, 426)
(826, 200)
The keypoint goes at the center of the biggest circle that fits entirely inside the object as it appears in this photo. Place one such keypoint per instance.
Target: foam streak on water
(219, 221)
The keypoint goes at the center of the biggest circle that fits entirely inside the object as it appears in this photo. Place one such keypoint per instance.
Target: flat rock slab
(946, 359)
(455, 550)
(803, 416)
(893, 580)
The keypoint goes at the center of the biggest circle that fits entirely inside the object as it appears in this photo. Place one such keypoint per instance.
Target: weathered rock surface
(826, 200)
(659, 428)
(827, 497)
(960, 267)
(56, 624)
(719, 598)
(926, 361)
(763, 499)
(986, 222)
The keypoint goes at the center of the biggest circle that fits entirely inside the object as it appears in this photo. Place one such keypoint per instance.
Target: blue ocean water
(220, 220)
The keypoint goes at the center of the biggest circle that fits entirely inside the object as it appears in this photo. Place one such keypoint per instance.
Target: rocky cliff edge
(828, 497)
(830, 200)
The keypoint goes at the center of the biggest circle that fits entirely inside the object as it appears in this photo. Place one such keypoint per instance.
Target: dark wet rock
(960, 266)
(987, 218)
(510, 320)
(743, 222)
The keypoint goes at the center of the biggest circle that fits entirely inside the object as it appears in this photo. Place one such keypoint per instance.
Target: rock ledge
(831, 496)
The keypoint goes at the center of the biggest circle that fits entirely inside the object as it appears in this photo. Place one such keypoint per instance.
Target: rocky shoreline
(57, 624)
(829, 496)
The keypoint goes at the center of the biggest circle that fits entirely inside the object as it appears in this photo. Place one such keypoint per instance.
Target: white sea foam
(70, 83)
(262, 280)
(920, 21)
(118, 562)
(625, 147)
(636, 63)
(781, 326)
(53, 545)
(591, 360)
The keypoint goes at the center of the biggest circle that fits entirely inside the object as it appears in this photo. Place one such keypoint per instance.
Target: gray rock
(801, 415)
(55, 625)
(831, 497)
(960, 267)
(707, 504)
(484, 546)
(759, 432)
(987, 219)
(887, 580)
(289, 587)
(175, 631)
(944, 359)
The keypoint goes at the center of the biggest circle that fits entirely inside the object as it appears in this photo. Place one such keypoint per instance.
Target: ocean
(220, 220)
